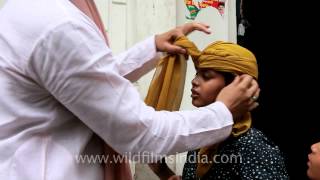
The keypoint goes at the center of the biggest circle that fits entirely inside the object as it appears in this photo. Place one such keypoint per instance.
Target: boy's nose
(315, 147)
(195, 82)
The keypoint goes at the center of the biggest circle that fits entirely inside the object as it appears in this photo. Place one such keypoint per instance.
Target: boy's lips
(194, 93)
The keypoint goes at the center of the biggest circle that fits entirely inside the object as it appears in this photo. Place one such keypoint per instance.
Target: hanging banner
(194, 6)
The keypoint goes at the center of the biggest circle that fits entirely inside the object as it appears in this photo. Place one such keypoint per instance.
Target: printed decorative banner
(194, 6)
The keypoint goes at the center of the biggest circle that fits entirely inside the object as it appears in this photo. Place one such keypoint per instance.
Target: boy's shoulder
(253, 141)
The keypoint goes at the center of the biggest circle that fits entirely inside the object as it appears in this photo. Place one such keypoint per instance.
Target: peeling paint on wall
(195, 6)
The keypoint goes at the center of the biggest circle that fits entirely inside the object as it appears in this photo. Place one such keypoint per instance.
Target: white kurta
(60, 84)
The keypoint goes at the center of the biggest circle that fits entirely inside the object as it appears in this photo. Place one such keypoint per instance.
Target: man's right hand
(238, 95)
(164, 42)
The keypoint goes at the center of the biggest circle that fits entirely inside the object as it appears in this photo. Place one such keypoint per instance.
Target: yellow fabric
(166, 89)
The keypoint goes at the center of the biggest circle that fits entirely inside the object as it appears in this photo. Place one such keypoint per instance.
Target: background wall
(1, 2)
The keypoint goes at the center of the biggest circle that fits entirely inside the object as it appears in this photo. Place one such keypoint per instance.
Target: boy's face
(314, 162)
(206, 86)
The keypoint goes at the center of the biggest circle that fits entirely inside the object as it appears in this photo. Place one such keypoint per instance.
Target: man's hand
(164, 42)
(240, 95)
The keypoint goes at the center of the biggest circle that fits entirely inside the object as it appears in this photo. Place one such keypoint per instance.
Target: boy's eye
(207, 75)
(197, 74)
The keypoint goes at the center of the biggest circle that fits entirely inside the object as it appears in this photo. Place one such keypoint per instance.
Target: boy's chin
(312, 175)
(197, 103)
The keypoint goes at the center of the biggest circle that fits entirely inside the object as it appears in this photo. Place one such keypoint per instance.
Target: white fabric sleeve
(138, 60)
(73, 63)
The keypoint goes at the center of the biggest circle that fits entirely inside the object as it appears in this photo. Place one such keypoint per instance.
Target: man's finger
(202, 27)
(257, 94)
(245, 80)
(253, 106)
(177, 33)
(253, 91)
(175, 49)
(236, 80)
(188, 28)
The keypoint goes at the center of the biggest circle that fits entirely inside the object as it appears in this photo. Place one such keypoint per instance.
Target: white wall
(2, 2)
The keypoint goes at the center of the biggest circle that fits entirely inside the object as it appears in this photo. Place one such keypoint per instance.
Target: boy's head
(216, 67)
(207, 84)
(314, 162)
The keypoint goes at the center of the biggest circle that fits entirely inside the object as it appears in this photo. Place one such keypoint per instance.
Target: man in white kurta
(60, 84)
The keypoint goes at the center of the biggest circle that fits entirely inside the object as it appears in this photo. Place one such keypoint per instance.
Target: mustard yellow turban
(228, 57)
(166, 88)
